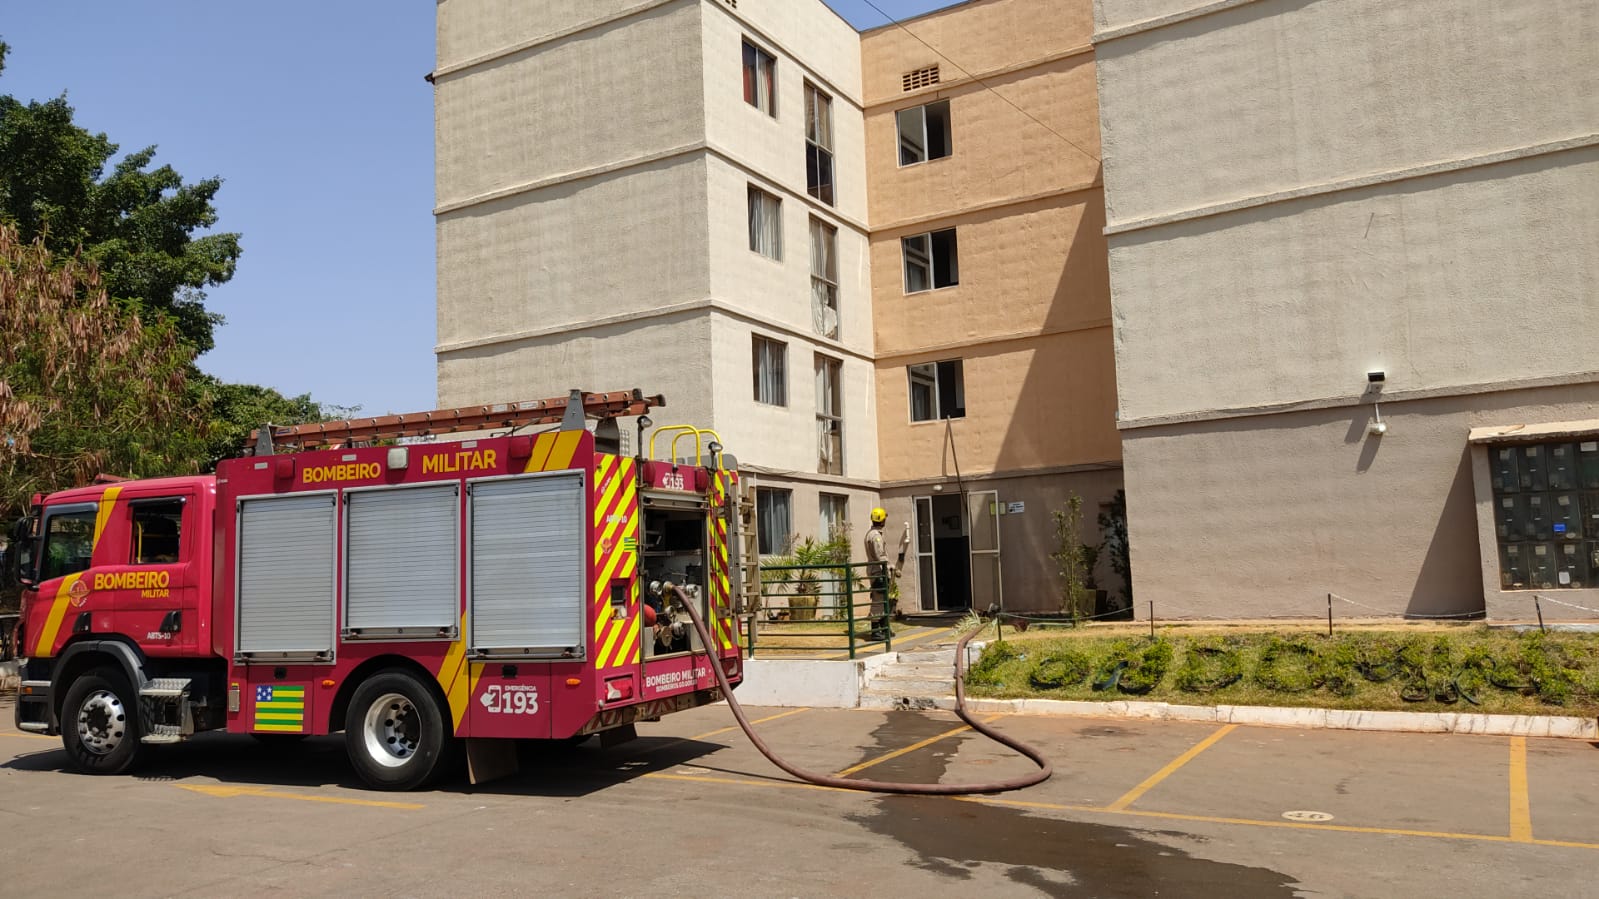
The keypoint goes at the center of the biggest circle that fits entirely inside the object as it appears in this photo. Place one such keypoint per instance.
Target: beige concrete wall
(607, 95)
(472, 29)
(1466, 278)
(1280, 94)
(670, 355)
(1262, 517)
(1030, 404)
(1028, 575)
(572, 253)
(813, 44)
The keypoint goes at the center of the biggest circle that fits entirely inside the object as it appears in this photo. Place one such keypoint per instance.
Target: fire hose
(883, 786)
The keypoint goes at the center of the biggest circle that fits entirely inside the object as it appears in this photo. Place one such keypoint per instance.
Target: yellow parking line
(1520, 804)
(1171, 816)
(1150, 782)
(231, 791)
(22, 736)
(723, 730)
(911, 748)
(914, 638)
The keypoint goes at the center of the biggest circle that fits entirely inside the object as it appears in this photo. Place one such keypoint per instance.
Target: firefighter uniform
(878, 569)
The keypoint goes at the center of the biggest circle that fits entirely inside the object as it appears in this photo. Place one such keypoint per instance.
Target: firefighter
(878, 569)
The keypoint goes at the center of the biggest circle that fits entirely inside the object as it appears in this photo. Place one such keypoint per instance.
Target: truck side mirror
(20, 557)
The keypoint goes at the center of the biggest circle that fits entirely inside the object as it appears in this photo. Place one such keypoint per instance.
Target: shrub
(1288, 666)
(995, 655)
(1063, 668)
(1210, 665)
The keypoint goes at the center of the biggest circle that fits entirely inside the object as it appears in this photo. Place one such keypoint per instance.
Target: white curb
(1340, 719)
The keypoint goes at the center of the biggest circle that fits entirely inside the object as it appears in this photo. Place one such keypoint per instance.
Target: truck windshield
(68, 543)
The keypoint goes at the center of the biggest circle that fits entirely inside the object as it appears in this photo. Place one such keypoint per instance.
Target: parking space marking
(889, 756)
(1520, 804)
(1153, 780)
(722, 730)
(227, 792)
(1138, 813)
(22, 736)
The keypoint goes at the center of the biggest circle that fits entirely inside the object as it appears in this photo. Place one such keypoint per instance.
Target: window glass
(774, 526)
(924, 391)
(824, 278)
(829, 417)
(818, 144)
(931, 261)
(760, 79)
(68, 543)
(918, 264)
(766, 224)
(937, 390)
(924, 133)
(157, 529)
(771, 376)
(833, 515)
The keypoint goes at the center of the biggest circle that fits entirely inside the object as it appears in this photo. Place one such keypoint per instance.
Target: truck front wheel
(100, 723)
(397, 732)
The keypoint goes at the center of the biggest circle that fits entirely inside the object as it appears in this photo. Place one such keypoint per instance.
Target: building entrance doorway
(957, 551)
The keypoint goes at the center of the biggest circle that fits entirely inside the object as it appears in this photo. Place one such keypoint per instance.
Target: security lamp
(1376, 377)
(644, 421)
(714, 447)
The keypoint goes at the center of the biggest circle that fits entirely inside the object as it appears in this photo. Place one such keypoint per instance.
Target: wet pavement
(1134, 809)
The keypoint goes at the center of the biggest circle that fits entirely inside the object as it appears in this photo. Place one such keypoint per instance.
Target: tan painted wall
(980, 37)
(1262, 517)
(1030, 404)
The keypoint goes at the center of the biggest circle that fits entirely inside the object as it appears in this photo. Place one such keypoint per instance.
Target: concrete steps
(923, 679)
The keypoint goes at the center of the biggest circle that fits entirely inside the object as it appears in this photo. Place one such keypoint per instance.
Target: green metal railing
(802, 607)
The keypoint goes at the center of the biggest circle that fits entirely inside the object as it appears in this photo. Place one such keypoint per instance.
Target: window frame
(753, 59)
(73, 510)
(824, 284)
(926, 148)
(134, 505)
(819, 145)
(759, 342)
(765, 543)
(937, 387)
(840, 503)
(767, 201)
(929, 243)
(831, 422)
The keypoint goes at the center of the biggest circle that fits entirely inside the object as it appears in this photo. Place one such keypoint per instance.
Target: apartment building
(1354, 261)
(995, 387)
(668, 195)
(873, 263)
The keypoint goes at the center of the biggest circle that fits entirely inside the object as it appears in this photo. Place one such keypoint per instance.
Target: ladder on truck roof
(571, 411)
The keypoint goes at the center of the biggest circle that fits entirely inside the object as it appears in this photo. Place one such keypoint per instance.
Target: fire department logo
(79, 591)
(607, 543)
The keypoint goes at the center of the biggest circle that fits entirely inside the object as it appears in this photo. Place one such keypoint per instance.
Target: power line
(986, 86)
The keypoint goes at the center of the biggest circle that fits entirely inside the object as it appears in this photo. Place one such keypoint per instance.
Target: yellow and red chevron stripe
(721, 583)
(616, 526)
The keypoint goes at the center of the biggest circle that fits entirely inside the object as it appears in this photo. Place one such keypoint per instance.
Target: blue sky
(316, 116)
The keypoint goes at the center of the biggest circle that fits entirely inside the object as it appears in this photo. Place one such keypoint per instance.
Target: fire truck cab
(429, 599)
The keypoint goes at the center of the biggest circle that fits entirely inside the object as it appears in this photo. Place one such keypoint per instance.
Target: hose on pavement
(1045, 769)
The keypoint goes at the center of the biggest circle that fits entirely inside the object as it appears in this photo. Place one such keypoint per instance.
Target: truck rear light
(574, 682)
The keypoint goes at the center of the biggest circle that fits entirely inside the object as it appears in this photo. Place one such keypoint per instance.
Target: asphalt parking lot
(1134, 809)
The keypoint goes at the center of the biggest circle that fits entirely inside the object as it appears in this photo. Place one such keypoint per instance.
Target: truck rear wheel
(397, 733)
(100, 723)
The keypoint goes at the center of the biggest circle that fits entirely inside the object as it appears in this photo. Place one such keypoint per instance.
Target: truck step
(163, 733)
(166, 688)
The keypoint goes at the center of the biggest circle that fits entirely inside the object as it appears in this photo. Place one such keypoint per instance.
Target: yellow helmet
(879, 515)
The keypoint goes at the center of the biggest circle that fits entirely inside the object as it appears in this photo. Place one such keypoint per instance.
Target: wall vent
(732, 3)
(920, 78)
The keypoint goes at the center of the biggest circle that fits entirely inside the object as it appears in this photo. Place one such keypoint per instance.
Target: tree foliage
(137, 223)
(85, 386)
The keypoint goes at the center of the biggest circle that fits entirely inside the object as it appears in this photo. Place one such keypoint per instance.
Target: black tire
(398, 733)
(100, 723)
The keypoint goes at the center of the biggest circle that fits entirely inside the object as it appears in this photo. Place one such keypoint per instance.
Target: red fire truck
(429, 599)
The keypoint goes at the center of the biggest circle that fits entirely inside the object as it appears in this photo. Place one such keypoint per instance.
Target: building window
(824, 278)
(833, 519)
(818, 144)
(938, 390)
(829, 416)
(760, 79)
(157, 529)
(774, 526)
(1546, 514)
(924, 133)
(771, 372)
(930, 261)
(766, 223)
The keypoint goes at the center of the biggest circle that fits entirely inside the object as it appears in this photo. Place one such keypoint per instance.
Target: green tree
(137, 223)
(86, 387)
(234, 410)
